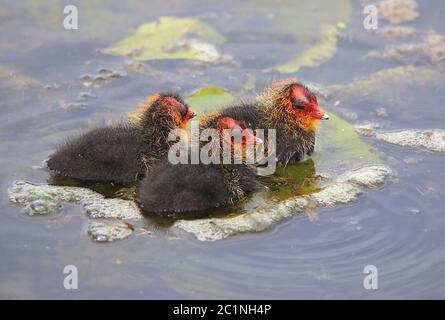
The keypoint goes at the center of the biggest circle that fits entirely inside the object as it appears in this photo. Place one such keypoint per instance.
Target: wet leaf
(170, 38)
(209, 99)
(296, 179)
(340, 142)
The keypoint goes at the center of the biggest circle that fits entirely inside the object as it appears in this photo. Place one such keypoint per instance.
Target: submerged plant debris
(396, 31)
(399, 79)
(398, 11)
(432, 140)
(171, 38)
(432, 48)
(315, 55)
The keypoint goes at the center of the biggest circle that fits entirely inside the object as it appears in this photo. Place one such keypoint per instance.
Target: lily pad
(209, 99)
(338, 141)
(313, 56)
(170, 38)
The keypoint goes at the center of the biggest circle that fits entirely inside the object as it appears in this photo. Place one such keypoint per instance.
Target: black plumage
(184, 188)
(123, 152)
(178, 189)
(102, 154)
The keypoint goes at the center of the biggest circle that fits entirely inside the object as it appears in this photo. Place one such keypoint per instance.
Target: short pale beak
(320, 115)
(251, 138)
(257, 141)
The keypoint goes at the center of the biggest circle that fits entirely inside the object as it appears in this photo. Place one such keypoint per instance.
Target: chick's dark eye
(300, 104)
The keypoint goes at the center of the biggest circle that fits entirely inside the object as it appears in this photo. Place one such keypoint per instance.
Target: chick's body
(102, 154)
(124, 152)
(179, 189)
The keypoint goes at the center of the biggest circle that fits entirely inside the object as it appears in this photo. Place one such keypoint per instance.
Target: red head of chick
(293, 104)
(291, 109)
(237, 133)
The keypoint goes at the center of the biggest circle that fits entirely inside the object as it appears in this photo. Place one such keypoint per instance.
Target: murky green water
(45, 97)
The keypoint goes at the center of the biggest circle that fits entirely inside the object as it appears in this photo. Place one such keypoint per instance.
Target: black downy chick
(126, 151)
(178, 189)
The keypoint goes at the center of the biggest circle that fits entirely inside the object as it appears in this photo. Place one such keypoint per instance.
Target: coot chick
(179, 189)
(126, 151)
(292, 110)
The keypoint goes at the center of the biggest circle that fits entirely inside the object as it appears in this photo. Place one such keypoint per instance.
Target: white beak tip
(325, 117)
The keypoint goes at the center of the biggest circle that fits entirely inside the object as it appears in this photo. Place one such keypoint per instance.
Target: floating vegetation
(171, 38)
(208, 99)
(396, 31)
(399, 79)
(398, 11)
(48, 199)
(432, 140)
(340, 142)
(344, 189)
(315, 55)
(367, 129)
(432, 48)
(109, 231)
